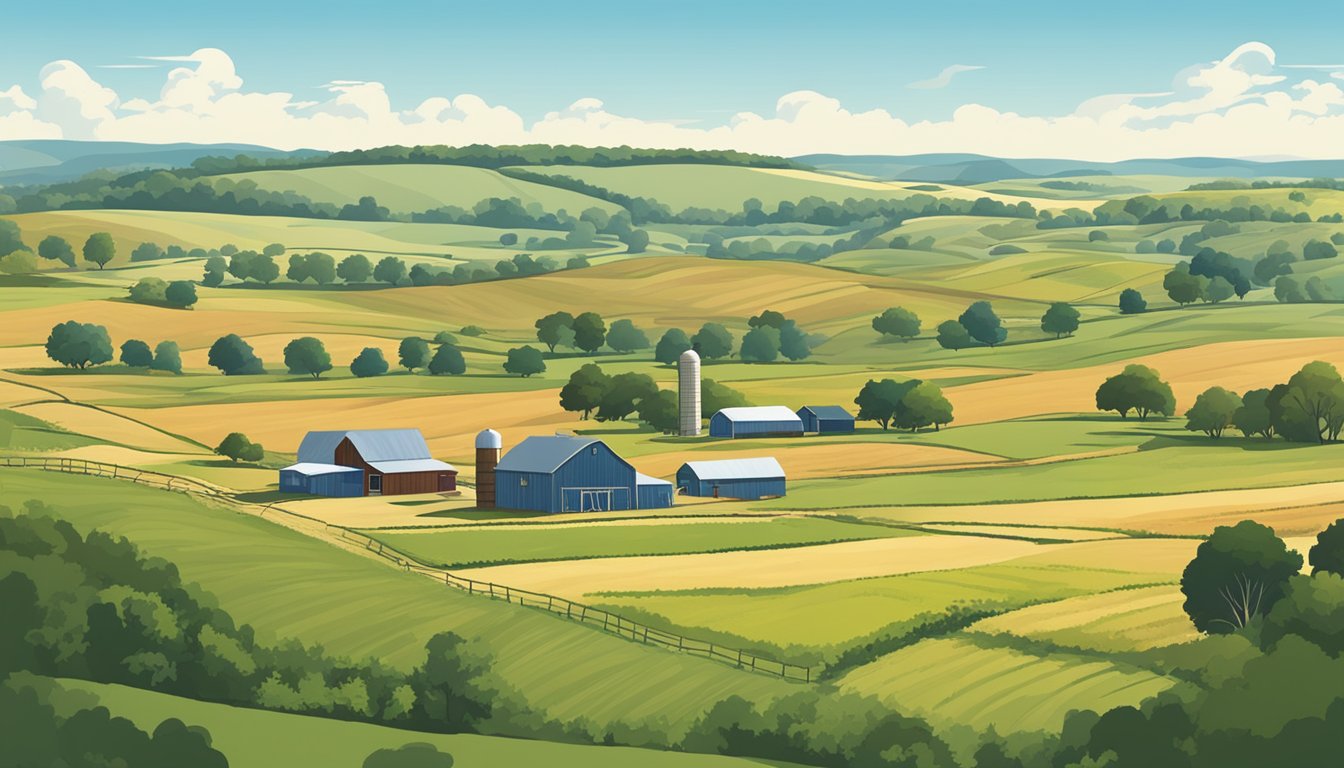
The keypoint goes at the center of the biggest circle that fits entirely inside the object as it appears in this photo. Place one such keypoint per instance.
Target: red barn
(389, 462)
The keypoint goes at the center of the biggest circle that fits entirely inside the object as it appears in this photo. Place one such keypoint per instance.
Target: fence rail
(597, 618)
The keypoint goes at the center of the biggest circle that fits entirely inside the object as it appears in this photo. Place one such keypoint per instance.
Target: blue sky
(696, 63)
(683, 60)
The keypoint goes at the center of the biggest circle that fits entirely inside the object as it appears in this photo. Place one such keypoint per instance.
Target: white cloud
(944, 78)
(1244, 104)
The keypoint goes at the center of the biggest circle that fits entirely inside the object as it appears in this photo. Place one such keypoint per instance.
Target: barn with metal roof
(755, 478)
(573, 474)
(755, 421)
(366, 462)
(826, 419)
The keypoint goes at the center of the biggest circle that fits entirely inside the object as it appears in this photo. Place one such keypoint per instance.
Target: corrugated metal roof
(372, 444)
(312, 470)
(643, 479)
(411, 465)
(760, 413)
(736, 469)
(543, 453)
(828, 411)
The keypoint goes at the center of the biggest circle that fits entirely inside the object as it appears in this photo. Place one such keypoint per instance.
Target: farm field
(464, 547)
(1019, 559)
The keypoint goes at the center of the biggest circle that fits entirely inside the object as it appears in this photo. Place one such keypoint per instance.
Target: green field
(414, 188)
(958, 681)
(464, 547)
(819, 621)
(253, 738)
(287, 585)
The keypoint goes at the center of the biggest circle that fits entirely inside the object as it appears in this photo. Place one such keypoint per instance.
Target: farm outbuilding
(756, 421)
(826, 419)
(756, 478)
(366, 462)
(573, 474)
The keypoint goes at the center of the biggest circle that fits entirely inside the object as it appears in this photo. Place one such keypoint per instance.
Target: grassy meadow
(1012, 565)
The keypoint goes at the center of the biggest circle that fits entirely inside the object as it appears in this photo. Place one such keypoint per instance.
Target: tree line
(1308, 408)
(771, 336)
(978, 325)
(592, 393)
(912, 404)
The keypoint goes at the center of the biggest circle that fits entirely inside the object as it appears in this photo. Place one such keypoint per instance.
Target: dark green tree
(525, 361)
(898, 322)
(624, 336)
(413, 352)
(637, 241)
(236, 447)
(1183, 287)
(793, 342)
(714, 397)
(79, 345)
(234, 357)
(713, 341)
(881, 400)
(1137, 388)
(450, 687)
(180, 294)
(982, 324)
(1237, 576)
(213, 274)
(307, 356)
(623, 396)
(1060, 319)
(508, 238)
(922, 406)
(1327, 554)
(1253, 417)
(1132, 302)
(390, 270)
(1312, 608)
(413, 755)
(1214, 410)
(273, 249)
(760, 345)
(447, 359)
(669, 348)
(548, 328)
(56, 248)
(136, 354)
(1318, 249)
(769, 318)
(167, 357)
(1314, 398)
(660, 411)
(99, 249)
(354, 269)
(585, 389)
(369, 362)
(953, 335)
(589, 332)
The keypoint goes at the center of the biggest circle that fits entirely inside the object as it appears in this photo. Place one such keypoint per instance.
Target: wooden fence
(555, 605)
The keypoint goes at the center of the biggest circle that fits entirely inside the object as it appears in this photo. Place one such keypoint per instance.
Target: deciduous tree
(898, 322)
(1237, 576)
(307, 356)
(1214, 410)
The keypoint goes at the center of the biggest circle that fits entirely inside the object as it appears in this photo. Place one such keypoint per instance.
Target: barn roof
(827, 412)
(313, 470)
(544, 453)
(759, 413)
(373, 445)
(736, 469)
(643, 479)
(412, 465)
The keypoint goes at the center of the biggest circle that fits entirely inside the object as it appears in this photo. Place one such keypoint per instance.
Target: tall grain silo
(688, 393)
(489, 445)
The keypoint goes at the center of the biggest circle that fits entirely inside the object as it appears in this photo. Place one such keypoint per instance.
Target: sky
(1045, 79)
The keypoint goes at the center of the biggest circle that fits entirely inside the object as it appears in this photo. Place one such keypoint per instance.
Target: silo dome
(690, 355)
(489, 439)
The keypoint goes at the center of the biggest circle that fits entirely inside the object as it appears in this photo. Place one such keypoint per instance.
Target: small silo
(688, 393)
(489, 445)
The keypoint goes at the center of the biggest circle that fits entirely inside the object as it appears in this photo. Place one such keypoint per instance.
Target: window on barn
(594, 450)
(522, 482)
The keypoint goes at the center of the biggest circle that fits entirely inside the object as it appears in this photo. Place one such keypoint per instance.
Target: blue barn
(732, 478)
(826, 419)
(322, 479)
(758, 421)
(573, 474)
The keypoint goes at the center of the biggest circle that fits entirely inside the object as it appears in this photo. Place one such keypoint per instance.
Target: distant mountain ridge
(44, 161)
(959, 168)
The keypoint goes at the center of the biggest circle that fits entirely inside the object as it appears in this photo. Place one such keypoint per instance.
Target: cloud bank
(1243, 105)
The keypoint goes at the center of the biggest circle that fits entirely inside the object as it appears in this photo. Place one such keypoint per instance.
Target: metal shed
(322, 480)
(756, 478)
(652, 492)
(758, 421)
(570, 474)
(826, 419)
(388, 462)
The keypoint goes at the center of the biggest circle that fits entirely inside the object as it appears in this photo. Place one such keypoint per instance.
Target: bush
(472, 330)
(525, 361)
(1005, 250)
(136, 354)
(1132, 302)
(1097, 235)
(167, 357)
(180, 294)
(369, 362)
(236, 447)
(234, 357)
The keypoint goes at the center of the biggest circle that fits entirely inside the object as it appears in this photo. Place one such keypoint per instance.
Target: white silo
(688, 393)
